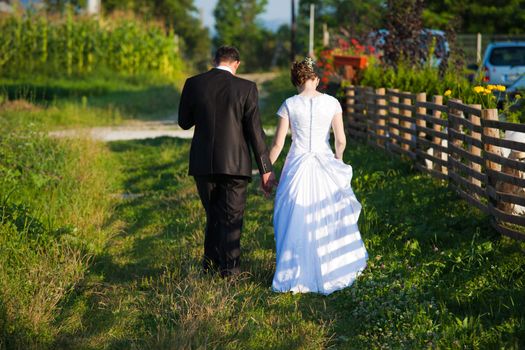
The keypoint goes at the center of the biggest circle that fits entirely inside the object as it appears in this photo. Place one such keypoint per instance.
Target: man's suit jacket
(224, 110)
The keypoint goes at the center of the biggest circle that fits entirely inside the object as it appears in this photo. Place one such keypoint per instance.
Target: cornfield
(76, 45)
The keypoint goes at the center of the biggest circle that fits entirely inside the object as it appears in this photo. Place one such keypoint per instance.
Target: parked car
(503, 62)
(377, 39)
(517, 87)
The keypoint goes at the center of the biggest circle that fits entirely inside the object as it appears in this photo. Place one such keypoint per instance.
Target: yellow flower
(518, 97)
(492, 87)
(479, 89)
(448, 93)
(500, 87)
(487, 91)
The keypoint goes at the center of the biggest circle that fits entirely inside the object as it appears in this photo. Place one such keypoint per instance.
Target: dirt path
(139, 130)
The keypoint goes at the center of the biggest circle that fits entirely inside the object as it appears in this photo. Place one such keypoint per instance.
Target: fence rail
(462, 144)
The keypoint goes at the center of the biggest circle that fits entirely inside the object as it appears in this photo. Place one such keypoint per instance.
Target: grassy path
(438, 276)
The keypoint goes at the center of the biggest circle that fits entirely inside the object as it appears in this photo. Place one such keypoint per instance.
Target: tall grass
(53, 207)
(77, 45)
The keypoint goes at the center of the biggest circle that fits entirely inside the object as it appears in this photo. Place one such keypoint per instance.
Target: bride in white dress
(318, 244)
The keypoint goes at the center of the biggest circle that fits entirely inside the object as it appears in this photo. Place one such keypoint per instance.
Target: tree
(484, 16)
(404, 23)
(355, 18)
(236, 24)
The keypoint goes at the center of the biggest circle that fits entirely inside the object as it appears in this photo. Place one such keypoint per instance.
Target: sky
(277, 12)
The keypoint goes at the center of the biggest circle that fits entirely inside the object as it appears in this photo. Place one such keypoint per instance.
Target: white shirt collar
(226, 68)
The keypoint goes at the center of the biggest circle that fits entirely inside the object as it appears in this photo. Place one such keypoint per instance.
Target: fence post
(438, 100)
(490, 114)
(406, 113)
(420, 122)
(473, 149)
(350, 101)
(392, 119)
(451, 140)
(381, 115)
(370, 114)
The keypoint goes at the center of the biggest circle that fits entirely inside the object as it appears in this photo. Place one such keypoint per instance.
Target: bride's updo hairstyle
(303, 71)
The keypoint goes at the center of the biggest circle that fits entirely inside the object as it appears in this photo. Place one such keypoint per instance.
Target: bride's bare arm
(339, 134)
(279, 139)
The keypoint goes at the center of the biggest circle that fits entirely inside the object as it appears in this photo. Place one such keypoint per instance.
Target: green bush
(416, 79)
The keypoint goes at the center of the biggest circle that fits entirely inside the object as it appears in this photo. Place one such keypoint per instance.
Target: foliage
(279, 90)
(427, 79)
(325, 64)
(404, 25)
(453, 84)
(181, 16)
(236, 24)
(325, 67)
(81, 45)
(487, 17)
(353, 19)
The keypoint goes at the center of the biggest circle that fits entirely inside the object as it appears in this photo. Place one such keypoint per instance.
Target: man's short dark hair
(227, 54)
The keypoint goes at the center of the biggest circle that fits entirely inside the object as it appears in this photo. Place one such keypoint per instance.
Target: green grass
(438, 277)
(54, 205)
(102, 99)
(100, 248)
(279, 89)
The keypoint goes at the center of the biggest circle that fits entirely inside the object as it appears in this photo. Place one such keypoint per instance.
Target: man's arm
(186, 117)
(254, 131)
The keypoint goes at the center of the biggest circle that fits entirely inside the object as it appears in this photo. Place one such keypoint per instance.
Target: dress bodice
(310, 120)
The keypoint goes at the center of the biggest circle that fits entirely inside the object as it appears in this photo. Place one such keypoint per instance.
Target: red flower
(354, 42)
(324, 80)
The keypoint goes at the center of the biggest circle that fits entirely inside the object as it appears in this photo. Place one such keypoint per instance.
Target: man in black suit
(224, 110)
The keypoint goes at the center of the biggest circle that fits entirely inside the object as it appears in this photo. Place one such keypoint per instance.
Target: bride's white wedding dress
(318, 244)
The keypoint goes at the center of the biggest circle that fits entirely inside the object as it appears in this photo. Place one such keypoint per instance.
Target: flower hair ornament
(309, 62)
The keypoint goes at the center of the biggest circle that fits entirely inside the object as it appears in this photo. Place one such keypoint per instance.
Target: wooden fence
(460, 143)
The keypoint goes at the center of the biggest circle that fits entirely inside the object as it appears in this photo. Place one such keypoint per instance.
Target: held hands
(268, 182)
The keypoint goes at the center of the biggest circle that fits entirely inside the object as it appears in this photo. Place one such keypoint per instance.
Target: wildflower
(448, 93)
(500, 87)
(491, 87)
(487, 91)
(479, 89)
(518, 96)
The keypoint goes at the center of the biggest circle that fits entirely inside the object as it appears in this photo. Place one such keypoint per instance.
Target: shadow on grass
(438, 275)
